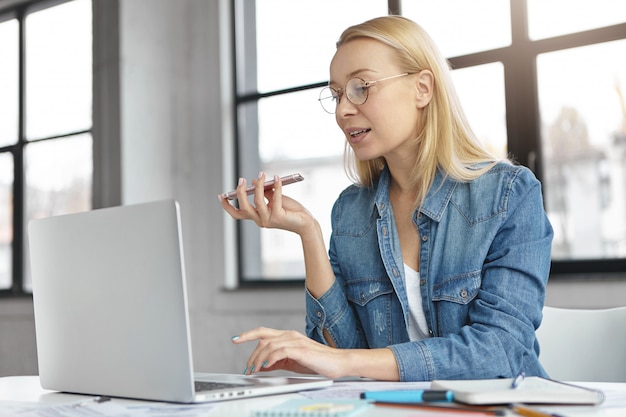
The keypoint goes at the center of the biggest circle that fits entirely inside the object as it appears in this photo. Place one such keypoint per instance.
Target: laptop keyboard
(212, 385)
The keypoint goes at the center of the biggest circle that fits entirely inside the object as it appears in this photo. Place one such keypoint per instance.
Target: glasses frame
(341, 91)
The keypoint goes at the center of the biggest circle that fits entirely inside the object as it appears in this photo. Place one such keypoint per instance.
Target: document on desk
(91, 408)
(88, 408)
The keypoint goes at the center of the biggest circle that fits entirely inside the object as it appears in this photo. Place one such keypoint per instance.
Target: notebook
(532, 390)
(111, 313)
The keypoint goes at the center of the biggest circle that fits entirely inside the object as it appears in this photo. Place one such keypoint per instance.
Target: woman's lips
(357, 135)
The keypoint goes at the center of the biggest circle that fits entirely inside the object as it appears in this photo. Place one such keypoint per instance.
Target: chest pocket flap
(460, 289)
(362, 291)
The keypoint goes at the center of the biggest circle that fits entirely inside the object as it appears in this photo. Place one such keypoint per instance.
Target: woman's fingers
(254, 334)
(268, 208)
(288, 350)
(246, 210)
(260, 203)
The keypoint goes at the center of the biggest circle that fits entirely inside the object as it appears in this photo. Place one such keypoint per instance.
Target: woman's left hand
(292, 351)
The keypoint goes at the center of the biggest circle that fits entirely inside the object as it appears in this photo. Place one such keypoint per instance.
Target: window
(540, 81)
(45, 131)
(281, 127)
(584, 141)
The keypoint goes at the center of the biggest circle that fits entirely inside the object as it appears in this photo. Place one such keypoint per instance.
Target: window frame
(523, 120)
(20, 13)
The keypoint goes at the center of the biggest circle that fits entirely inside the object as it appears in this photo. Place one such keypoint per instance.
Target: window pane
(461, 27)
(294, 126)
(297, 51)
(295, 135)
(559, 17)
(6, 219)
(583, 114)
(481, 91)
(58, 180)
(58, 70)
(8, 82)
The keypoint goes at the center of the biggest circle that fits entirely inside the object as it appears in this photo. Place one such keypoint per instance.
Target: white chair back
(583, 345)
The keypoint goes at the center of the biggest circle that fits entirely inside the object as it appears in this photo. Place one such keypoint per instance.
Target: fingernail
(260, 174)
(240, 181)
(220, 197)
(264, 364)
(245, 371)
(234, 338)
(252, 369)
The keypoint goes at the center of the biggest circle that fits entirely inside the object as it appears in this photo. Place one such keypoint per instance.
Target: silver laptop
(111, 310)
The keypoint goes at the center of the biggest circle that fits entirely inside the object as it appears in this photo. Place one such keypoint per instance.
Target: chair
(583, 345)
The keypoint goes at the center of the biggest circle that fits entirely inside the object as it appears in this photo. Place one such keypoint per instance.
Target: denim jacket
(484, 265)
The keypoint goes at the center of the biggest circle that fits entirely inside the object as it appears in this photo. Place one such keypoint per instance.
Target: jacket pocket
(362, 291)
(378, 311)
(460, 289)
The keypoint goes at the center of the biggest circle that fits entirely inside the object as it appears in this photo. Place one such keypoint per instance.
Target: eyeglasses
(356, 92)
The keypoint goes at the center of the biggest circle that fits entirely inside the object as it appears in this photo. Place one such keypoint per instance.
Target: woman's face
(389, 121)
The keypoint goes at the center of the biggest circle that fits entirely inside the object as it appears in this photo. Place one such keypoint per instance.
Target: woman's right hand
(269, 209)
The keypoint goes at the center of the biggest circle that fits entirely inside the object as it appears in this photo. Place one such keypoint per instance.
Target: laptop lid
(110, 307)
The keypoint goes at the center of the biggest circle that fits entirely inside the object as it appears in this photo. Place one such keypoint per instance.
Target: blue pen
(409, 396)
(517, 381)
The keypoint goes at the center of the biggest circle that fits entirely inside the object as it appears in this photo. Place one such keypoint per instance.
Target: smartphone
(286, 180)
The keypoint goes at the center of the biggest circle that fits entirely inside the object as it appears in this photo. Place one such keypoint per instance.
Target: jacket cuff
(414, 362)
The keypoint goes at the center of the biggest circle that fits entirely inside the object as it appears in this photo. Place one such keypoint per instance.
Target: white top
(417, 327)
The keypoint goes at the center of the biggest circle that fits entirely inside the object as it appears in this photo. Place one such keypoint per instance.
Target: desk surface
(26, 389)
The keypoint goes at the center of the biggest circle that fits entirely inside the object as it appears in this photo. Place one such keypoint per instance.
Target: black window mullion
(18, 162)
(520, 86)
(394, 7)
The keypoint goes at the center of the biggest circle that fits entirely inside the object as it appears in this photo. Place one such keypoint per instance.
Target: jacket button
(424, 238)
(422, 282)
(463, 293)
(319, 314)
(384, 230)
(362, 297)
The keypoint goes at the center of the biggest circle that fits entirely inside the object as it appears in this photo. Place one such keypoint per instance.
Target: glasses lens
(329, 99)
(356, 91)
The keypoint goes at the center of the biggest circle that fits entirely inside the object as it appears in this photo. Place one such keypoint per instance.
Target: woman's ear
(424, 84)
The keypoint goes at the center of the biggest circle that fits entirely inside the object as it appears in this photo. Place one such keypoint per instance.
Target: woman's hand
(270, 209)
(292, 351)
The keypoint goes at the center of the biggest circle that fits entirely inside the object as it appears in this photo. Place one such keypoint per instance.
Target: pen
(530, 412)
(408, 396)
(517, 381)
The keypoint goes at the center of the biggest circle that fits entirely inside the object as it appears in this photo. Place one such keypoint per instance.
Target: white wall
(166, 133)
(176, 141)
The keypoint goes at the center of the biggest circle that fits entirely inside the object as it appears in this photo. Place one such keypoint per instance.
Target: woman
(440, 252)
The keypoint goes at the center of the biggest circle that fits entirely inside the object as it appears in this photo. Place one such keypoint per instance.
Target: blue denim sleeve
(332, 313)
(498, 339)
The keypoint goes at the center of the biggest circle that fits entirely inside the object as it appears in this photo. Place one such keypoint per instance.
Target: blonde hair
(446, 141)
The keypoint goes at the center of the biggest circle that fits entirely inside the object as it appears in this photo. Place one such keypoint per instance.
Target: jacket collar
(436, 200)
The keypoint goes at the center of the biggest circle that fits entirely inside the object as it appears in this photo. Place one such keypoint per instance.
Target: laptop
(111, 312)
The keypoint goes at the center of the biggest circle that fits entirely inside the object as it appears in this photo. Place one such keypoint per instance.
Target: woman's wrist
(311, 232)
(377, 364)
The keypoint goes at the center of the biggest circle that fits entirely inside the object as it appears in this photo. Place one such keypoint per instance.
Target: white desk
(28, 389)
